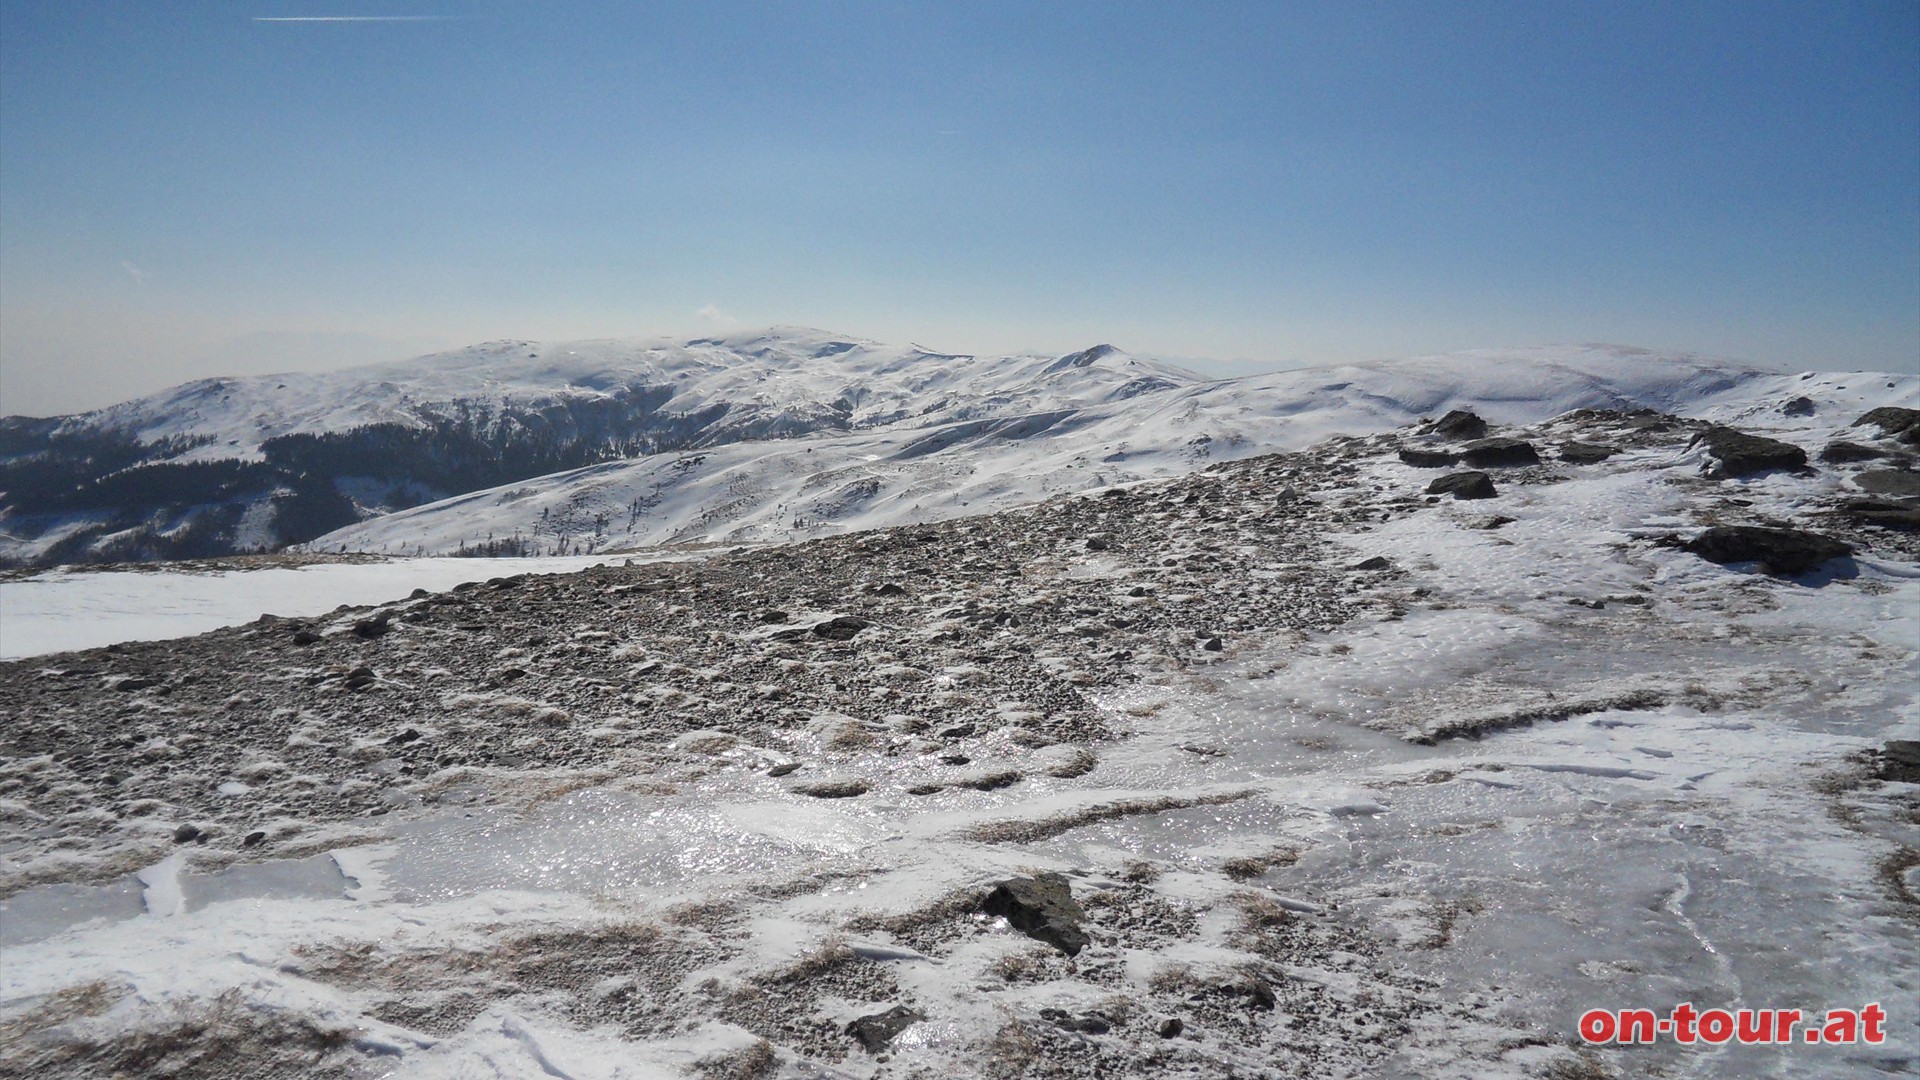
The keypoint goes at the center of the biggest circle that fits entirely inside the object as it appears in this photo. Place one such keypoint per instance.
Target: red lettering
(1842, 1026)
(1637, 1025)
(1597, 1026)
(1756, 1025)
(1716, 1026)
(1683, 1015)
(1783, 1025)
(1875, 1017)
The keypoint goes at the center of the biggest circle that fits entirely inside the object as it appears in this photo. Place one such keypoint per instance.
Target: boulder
(1900, 761)
(1891, 420)
(1840, 452)
(1460, 424)
(1463, 485)
(874, 1032)
(1429, 459)
(841, 628)
(1902, 514)
(1741, 454)
(1585, 453)
(1800, 406)
(1896, 482)
(1041, 907)
(1483, 453)
(1779, 551)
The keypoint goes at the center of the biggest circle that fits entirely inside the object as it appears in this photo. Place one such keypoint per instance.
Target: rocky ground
(982, 667)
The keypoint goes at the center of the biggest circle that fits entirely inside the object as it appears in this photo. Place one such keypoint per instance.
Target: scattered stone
(874, 1032)
(1800, 406)
(1095, 543)
(1900, 761)
(1891, 420)
(1586, 453)
(834, 789)
(405, 737)
(304, 636)
(1741, 454)
(890, 589)
(1493, 453)
(127, 684)
(841, 628)
(186, 834)
(1041, 907)
(1896, 482)
(1213, 644)
(1841, 452)
(374, 626)
(785, 768)
(1463, 485)
(254, 838)
(772, 616)
(1494, 522)
(1779, 551)
(1429, 459)
(1461, 424)
(1378, 562)
(1171, 1027)
(1903, 514)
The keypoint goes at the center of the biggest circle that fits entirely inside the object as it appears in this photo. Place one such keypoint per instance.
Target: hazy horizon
(218, 189)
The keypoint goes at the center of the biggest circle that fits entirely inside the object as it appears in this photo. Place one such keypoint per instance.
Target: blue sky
(186, 189)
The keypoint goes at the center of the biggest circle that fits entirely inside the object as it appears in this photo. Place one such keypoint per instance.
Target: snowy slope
(761, 492)
(226, 466)
(777, 381)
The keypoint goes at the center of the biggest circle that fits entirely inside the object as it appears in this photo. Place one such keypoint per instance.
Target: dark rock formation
(874, 1032)
(1840, 452)
(1780, 551)
(1041, 907)
(1429, 459)
(1485, 453)
(1584, 453)
(1463, 485)
(1740, 454)
(1461, 424)
(1896, 482)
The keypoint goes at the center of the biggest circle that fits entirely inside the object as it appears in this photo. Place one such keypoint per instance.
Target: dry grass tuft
(1029, 830)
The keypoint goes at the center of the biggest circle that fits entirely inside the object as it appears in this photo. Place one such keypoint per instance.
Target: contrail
(351, 18)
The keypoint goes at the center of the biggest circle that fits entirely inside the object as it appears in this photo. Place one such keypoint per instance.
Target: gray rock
(1585, 453)
(1891, 420)
(1741, 454)
(1486, 453)
(1800, 406)
(1461, 424)
(1463, 485)
(1896, 482)
(1780, 551)
(841, 629)
(1840, 452)
(1429, 459)
(874, 1032)
(834, 789)
(1900, 761)
(1903, 514)
(1041, 907)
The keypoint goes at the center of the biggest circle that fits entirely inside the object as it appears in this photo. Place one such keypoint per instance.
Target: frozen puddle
(164, 891)
(601, 841)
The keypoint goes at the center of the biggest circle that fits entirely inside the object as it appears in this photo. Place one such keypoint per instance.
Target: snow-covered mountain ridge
(516, 447)
(837, 482)
(222, 465)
